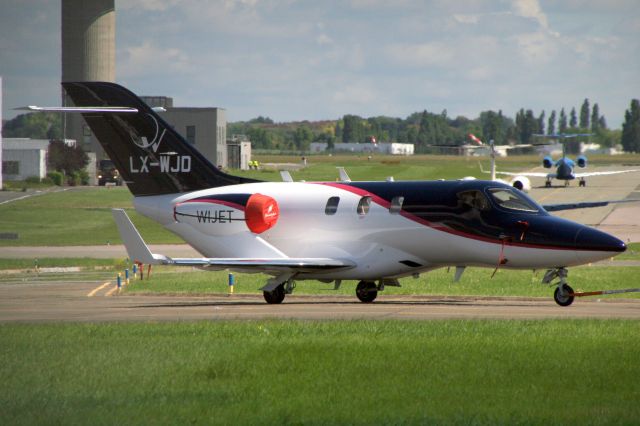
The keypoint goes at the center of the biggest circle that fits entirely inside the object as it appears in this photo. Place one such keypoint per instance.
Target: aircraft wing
(138, 251)
(531, 174)
(583, 205)
(613, 172)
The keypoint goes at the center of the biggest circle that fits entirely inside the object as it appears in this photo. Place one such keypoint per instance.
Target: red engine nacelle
(261, 213)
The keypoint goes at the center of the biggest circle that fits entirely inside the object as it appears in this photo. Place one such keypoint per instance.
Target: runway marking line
(97, 289)
(544, 197)
(113, 290)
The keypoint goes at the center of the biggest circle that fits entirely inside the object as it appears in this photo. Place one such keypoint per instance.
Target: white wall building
(377, 148)
(23, 158)
(0, 132)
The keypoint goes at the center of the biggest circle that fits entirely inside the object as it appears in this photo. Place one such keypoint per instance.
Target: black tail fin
(150, 155)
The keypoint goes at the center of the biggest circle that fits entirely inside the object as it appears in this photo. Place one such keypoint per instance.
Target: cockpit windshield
(511, 200)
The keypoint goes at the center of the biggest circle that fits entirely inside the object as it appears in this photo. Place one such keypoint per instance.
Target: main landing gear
(276, 296)
(564, 294)
(367, 291)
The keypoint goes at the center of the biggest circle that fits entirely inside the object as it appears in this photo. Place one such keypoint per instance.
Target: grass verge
(334, 372)
(80, 216)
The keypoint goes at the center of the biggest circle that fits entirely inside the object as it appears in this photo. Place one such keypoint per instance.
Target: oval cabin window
(364, 205)
(332, 206)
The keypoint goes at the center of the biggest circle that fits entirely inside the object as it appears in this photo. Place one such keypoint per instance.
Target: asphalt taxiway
(90, 302)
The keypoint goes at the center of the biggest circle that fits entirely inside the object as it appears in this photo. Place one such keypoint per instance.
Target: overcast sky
(313, 60)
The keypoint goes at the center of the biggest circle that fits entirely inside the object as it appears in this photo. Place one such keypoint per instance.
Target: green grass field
(333, 372)
(80, 216)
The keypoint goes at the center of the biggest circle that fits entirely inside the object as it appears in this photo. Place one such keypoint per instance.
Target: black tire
(547, 184)
(563, 300)
(366, 291)
(582, 183)
(276, 296)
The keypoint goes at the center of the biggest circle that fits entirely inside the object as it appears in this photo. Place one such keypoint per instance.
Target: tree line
(428, 129)
(423, 129)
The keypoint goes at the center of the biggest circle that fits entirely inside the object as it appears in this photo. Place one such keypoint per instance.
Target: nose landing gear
(564, 294)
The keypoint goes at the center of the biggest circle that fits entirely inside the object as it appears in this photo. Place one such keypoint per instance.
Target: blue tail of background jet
(150, 155)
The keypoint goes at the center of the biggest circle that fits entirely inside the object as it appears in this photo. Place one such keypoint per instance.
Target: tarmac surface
(88, 302)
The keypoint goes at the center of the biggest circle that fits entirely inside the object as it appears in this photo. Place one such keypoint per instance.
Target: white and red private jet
(372, 232)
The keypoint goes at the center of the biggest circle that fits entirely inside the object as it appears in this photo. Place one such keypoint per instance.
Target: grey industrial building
(205, 128)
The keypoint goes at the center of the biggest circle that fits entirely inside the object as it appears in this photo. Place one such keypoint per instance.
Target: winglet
(137, 249)
(286, 176)
(344, 177)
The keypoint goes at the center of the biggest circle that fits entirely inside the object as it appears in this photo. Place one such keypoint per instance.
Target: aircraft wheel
(366, 291)
(547, 184)
(563, 299)
(582, 183)
(276, 296)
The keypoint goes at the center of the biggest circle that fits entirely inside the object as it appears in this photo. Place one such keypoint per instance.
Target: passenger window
(363, 205)
(474, 199)
(396, 205)
(332, 206)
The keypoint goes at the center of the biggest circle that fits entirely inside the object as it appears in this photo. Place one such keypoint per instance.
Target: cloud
(466, 19)
(421, 54)
(147, 58)
(292, 59)
(323, 39)
(531, 9)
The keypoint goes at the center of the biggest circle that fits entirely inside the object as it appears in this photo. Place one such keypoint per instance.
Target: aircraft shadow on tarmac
(438, 302)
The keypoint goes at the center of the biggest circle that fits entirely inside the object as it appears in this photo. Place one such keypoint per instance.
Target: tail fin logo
(144, 143)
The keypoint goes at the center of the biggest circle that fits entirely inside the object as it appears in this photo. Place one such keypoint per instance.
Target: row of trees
(630, 138)
(427, 129)
(424, 129)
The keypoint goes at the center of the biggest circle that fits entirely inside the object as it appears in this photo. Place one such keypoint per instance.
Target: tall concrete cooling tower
(88, 54)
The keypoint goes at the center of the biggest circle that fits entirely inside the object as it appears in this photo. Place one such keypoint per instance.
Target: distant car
(107, 173)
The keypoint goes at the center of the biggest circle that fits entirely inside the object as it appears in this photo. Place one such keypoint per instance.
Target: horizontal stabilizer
(114, 109)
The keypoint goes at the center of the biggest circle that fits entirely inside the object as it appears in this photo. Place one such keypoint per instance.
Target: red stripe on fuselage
(386, 204)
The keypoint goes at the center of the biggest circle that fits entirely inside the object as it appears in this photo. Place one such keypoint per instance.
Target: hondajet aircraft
(373, 232)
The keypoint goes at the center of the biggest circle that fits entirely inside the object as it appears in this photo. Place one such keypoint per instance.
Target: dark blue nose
(592, 239)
